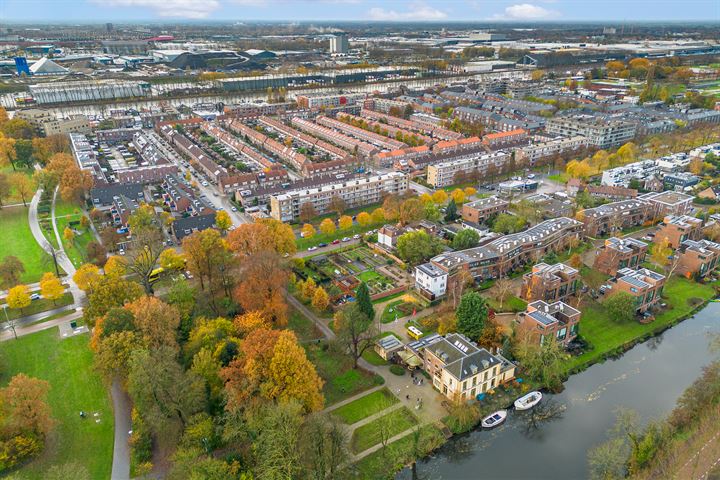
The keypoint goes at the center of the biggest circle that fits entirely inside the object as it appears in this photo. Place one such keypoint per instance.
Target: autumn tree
(24, 408)
(69, 235)
(249, 239)
(308, 231)
(116, 266)
(410, 210)
(364, 219)
(156, 321)
(327, 226)
(417, 246)
(378, 215)
(282, 235)
(308, 288)
(211, 334)
(51, 288)
(250, 321)
(262, 286)
(171, 261)
(11, 270)
(502, 289)
(18, 297)
(165, 395)
(440, 197)
(223, 221)
(337, 204)
(320, 299)
(5, 188)
(272, 367)
(355, 331)
(147, 245)
(23, 186)
(108, 292)
(458, 196)
(391, 207)
(661, 252)
(86, 276)
(307, 212)
(112, 354)
(209, 260)
(345, 222)
(471, 314)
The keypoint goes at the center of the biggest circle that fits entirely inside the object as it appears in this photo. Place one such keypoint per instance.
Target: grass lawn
(341, 380)
(319, 237)
(303, 327)
(377, 465)
(605, 335)
(511, 304)
(18, 240)
(394, 422)
(388, 314)
(368, 276)
(592, 277)
(37, 306)
(67, 366)
(65, 213)
(559, 177)
(363, 407)
(372, 357)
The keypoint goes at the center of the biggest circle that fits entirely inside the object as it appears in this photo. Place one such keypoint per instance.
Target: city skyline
(97, 11)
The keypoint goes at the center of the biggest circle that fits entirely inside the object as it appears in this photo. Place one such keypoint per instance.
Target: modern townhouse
(668, 203)
(678, 228)
(550, 283)
(697, 258)
(644, 284)
(479, 211)
(618, 253)
(543, 320)
(615, 216)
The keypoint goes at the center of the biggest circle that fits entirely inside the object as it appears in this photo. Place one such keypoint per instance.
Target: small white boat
(494, 419)
(528, 401)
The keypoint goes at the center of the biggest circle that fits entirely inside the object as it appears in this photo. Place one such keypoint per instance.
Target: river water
(649, 379)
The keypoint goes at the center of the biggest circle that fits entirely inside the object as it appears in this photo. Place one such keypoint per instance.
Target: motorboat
(494, 419)
(526, 402)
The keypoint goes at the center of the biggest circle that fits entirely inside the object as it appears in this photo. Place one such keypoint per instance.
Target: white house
(430, 279)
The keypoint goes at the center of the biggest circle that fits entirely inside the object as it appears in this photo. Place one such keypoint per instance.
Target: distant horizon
(361, 11)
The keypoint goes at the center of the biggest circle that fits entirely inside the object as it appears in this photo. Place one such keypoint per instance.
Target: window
(465, 385)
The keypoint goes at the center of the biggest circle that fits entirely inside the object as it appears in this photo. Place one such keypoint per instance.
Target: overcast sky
(99, 11)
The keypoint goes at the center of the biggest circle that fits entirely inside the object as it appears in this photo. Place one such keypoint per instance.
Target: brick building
(618, 253)
(550, 283)
(678, 228)
(480, 210)
(697, 258)
(542, 320)
(643, 284)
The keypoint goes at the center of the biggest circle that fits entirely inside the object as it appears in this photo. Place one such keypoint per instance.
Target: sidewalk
(38, 327)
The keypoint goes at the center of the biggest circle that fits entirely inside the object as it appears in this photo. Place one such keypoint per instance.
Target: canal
(649, 379)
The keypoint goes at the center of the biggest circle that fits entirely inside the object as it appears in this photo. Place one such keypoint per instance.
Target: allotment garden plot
(361, 264)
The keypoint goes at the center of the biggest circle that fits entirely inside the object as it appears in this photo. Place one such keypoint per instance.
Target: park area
(69, 216)
(18, 240)
(74, 386)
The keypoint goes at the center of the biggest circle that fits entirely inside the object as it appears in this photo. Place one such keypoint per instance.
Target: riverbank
(606, 339)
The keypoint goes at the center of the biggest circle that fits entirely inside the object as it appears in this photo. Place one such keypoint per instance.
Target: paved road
(38, 327)
(121, 450)
(420, 189)
(329, 249)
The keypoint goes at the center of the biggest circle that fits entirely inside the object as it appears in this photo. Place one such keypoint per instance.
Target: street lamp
(7, 319)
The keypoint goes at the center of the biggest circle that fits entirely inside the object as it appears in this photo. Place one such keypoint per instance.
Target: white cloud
(168, 8)
(417, 12)
(525, 11)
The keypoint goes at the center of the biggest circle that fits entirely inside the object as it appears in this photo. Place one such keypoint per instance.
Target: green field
(363, 407)
(394, 422)
(511, 304)
(18, 240)
(68, 366)
(606, 335)
(14, 198)
(65, 213)
(335, 368)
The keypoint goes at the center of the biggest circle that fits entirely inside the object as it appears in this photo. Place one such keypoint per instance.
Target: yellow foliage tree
(18, 297)
(426, 198)
(364, 219)
(440, 197)
(470, 191)
(86, 276)
(171, 260)
(51, 288)
(308, 231)
(320, 299)
(378, 215)
(308, 288)
(458, 195)
(345, 222)
(223, 220)
(327, 226)
(115, 266)
(253, 320)
(69, 235)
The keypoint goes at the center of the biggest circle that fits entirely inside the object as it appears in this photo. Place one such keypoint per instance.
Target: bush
(463, 417)
(397, 370)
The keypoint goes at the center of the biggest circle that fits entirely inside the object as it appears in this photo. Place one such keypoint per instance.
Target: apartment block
(618, 253)
(550, 283)
(643, 284)
(355, 192)
(542, 320)
(678, 228)
(599, 133)
(668, 203)
(697, 258)
(615, 216)
(443, 174)
(511, 252)
(321, 100)
(533, 153)
(459, 369)
(480, 210)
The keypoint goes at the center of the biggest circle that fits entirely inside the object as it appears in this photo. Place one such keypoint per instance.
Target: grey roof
(431, 270)
(542, 317)
(106, 195)
(470, 365)
(186, 226)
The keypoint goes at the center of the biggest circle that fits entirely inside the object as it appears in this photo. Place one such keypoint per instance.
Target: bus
(155, 274)
(414, 332)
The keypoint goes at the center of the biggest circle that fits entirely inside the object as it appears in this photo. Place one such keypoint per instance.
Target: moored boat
(494, 419)
(528, 401)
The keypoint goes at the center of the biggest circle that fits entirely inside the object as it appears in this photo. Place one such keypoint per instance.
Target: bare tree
(502, 289)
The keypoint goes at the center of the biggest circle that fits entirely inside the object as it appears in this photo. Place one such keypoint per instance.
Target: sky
(100, 11)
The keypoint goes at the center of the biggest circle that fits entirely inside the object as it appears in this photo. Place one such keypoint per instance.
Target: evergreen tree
(451, 211)
(363, 300)
(471, 315)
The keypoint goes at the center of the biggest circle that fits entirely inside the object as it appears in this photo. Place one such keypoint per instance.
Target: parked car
(346, 239)
(312, 249)
(356, 236)
(35, 296)
(335, 242)
(234, 209)
(188, 275)
(121, 251)
(321, 245)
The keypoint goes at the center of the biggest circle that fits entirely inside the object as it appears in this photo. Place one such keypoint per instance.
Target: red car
(335, 242)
